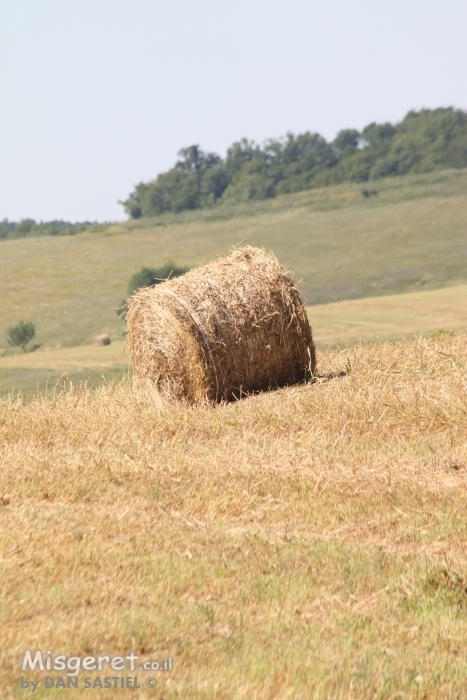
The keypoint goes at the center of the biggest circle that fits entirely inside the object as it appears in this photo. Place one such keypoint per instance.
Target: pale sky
(97, 95)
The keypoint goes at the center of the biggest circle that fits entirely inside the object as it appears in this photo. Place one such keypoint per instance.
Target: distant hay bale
(235, 326)
(102, 339)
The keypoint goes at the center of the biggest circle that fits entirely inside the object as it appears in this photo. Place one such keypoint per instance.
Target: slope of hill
(304, 543)
(410, 234)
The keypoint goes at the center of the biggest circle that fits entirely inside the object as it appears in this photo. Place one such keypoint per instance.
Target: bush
(20, 335)
(149, 277)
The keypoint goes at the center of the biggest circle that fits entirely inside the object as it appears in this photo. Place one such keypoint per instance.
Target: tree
(20, 335)
(149, 277)
(213, 185)
(194, 160)
(376, 135)
(239, 153)
(25, 226)
(346, 142)
(422, 142)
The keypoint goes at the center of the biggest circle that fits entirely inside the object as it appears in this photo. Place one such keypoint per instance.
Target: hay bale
(102, 339)
(232, 327)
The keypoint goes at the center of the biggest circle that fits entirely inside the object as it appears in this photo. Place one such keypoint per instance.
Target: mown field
(50, 370)
(409, 235)
(395, 316)
(303, 543)
(338, 324)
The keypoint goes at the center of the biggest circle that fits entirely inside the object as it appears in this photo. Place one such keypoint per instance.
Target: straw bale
(103, 339)
(232, 327)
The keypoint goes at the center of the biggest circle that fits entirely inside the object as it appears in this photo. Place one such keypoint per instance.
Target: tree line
(422, 142)
(29, 227)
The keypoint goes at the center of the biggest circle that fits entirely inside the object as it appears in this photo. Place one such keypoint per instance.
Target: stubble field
(304, 543)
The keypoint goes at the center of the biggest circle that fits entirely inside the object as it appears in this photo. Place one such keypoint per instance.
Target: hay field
(383, 318)
(410, 236)
(304, 543)
(45, 370)
(339, 324)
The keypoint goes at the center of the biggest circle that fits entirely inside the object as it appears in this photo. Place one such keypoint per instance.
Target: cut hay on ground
(232, 327)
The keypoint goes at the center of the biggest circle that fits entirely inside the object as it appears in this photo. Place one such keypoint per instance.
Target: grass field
(411, 236)
(338, 324)
(304, 543)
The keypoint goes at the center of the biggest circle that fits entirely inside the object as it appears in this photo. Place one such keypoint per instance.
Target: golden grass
(396, 316)
(304, 543)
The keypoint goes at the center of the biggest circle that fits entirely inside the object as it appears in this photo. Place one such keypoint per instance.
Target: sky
(98, 95)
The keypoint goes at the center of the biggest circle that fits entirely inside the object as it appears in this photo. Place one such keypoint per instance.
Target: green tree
(239, 153)
(149, 277)
(194, 160)
(377, 135)
(213, 185)
(21, 334)
(346, 142)
(4, 230)
(423, 141)
(25, 226)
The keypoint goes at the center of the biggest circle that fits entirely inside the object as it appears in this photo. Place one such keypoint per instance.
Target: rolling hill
(400, 235)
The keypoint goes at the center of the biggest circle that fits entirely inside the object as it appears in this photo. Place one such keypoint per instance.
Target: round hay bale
(102, 339)
(235, 326)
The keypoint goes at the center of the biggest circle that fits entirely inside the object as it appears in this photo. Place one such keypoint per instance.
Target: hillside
(304, 543)
(401, 235)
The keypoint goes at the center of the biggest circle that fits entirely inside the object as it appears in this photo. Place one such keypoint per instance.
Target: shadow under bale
(233, 327)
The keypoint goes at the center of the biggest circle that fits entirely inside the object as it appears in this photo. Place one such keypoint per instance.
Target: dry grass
(42, 371)
(389, 318)
(304, 543)
(232, 327)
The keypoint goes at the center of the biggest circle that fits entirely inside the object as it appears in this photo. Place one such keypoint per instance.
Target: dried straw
(235, 326)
